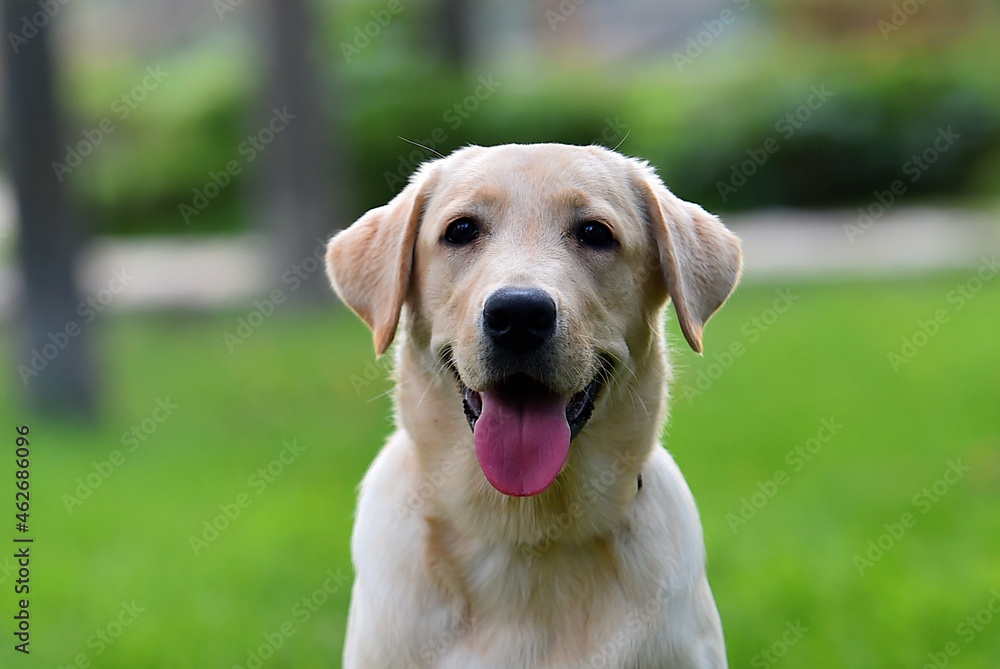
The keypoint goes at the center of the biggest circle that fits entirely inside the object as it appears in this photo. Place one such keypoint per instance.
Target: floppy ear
(700, 258)
(369, 263)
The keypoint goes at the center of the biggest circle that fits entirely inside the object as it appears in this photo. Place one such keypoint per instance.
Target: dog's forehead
(542, 175)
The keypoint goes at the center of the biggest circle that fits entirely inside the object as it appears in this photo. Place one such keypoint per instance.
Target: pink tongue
(522, 444)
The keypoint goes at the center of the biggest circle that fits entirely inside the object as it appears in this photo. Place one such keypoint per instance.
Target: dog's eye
(595, 234)
(461, 231)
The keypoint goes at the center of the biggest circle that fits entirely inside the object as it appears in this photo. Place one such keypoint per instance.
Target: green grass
(302, 377)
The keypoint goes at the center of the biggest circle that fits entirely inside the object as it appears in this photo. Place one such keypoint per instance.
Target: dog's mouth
(522, 428)
(578, 410)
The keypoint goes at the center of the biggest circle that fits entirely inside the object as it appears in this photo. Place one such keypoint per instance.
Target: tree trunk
(56, 366)
(454, 33)
(303, 177)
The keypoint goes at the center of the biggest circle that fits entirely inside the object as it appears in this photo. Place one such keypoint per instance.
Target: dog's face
(534, 278)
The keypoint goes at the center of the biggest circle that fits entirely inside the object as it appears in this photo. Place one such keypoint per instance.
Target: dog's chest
(538, 611)
(529, 643)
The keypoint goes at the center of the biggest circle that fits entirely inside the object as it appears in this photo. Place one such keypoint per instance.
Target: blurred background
(201, 408)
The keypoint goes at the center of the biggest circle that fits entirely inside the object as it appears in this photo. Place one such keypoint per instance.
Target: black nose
(519, 319)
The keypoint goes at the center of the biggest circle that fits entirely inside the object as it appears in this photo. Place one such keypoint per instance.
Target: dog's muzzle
(521, 426)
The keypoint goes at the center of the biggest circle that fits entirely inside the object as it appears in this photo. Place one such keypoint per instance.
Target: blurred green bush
(797, 119)
(162, 148)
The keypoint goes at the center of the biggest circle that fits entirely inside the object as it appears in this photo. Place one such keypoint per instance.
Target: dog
(524, 513)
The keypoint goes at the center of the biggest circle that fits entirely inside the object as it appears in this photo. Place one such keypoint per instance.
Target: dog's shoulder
(389, 505)
(391, 588)
(675, 616)
(659, 543)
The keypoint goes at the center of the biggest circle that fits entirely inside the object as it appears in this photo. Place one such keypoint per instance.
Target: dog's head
(532, 279)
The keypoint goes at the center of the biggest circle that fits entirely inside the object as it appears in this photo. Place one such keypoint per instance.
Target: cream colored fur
(592, 572)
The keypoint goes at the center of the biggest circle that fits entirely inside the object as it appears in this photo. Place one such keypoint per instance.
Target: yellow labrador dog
(524, 514)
